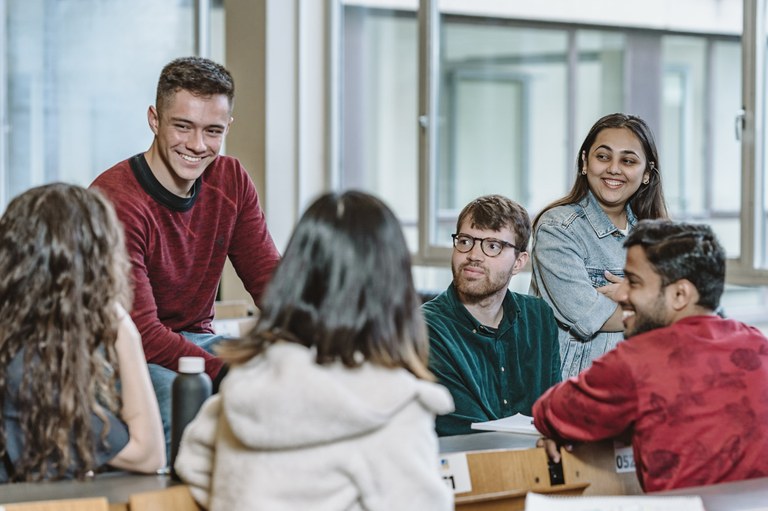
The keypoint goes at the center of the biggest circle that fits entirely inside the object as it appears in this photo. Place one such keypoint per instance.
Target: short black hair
(678, 250)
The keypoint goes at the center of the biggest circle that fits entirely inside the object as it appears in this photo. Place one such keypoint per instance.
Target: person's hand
(552, 448)
(610, 289)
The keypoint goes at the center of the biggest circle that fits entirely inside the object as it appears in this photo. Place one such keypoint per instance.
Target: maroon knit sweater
(178, 246)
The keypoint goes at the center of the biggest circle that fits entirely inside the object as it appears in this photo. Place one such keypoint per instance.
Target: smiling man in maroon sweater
(185, 209)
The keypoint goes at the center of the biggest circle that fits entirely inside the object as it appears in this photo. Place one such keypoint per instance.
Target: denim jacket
(573, 245)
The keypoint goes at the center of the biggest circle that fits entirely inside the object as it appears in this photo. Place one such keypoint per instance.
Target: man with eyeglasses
(496, 351)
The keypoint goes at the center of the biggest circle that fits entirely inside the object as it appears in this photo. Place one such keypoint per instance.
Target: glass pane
(700, 155)
(502, 87)
(725, 154)
(505, 112)
(516, 98)
(80, 79)
(379, 130)
(599, 89)
(682, 128)
(761, 193)
(726, 104)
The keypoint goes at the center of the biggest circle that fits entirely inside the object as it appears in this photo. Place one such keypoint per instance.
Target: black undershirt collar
(157, 191)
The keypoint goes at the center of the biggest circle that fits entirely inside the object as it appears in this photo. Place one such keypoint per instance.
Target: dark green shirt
(491, 373)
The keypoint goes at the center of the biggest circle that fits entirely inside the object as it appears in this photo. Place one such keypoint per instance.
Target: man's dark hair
(494, 213)
(683, 251)
(200, 76)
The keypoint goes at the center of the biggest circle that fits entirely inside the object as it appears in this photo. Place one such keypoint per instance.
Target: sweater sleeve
(599, 403)
(252, 251)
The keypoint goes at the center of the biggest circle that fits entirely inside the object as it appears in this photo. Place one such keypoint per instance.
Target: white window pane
(379, 109)
(81, 74)
(502, 87)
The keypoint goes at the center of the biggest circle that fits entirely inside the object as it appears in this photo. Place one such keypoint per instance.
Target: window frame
(741, 270)
(744, 270)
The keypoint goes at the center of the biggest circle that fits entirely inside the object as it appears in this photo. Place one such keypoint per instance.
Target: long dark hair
(343, 287)
(63, 272)
(648, 201)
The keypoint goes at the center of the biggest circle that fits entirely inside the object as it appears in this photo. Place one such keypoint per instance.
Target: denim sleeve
(560, 277)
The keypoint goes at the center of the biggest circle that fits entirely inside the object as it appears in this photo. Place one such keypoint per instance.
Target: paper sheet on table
(515, 424)
(536, 502)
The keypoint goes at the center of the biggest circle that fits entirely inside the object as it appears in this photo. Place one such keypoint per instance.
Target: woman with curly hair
(66, 341)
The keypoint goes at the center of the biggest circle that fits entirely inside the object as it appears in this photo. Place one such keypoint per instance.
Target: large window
(78, 76)
(515, 98)
(512, 88)
(505, 95)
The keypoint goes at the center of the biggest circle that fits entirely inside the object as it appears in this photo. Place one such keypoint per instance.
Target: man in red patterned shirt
(690, 387)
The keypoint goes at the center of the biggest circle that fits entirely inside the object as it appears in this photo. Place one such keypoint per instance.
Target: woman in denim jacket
(578, 254)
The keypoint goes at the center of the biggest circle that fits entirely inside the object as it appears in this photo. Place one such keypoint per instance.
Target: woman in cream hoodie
(328, 404)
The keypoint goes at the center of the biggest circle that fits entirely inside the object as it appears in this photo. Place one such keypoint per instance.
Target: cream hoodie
(285, 433)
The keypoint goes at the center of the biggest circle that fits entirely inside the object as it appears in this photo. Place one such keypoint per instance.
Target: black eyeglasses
(490, 246)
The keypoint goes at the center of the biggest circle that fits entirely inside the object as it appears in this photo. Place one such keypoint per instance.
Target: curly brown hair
(63, 271)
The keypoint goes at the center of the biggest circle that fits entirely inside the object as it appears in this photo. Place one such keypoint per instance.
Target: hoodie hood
(283, 399)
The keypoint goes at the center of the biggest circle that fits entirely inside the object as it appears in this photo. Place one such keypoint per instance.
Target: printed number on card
(624, 458)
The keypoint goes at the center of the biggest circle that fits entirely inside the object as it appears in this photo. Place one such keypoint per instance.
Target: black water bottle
(191, 387)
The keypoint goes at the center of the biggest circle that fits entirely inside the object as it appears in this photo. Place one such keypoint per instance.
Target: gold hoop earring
(646, 181)
(583, 172)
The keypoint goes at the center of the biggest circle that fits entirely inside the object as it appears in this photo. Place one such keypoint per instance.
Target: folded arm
(562, 279)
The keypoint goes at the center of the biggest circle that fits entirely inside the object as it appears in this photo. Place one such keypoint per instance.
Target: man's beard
(478, 290)
(646, 322)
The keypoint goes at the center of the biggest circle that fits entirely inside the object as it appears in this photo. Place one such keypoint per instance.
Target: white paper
(455, 470)
(537, 502)
(515, 424)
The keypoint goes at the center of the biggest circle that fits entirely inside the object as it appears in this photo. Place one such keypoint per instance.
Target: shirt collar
(597, 218)
(157, 191)
(509, 305)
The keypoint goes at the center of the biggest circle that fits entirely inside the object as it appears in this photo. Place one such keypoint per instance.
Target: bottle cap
(191, 365)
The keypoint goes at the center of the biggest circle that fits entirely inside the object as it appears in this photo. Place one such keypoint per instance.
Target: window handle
(739, 124)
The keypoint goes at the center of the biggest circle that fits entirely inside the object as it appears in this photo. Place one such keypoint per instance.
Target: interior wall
(276, 51)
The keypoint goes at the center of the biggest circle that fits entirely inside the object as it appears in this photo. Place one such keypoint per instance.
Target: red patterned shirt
(693, 395)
